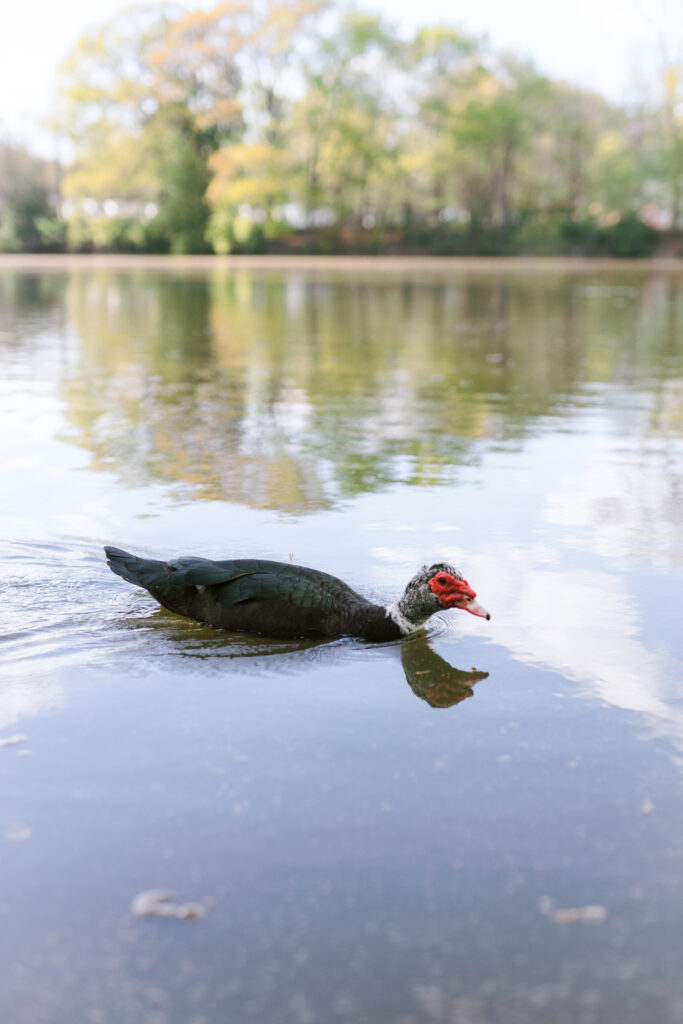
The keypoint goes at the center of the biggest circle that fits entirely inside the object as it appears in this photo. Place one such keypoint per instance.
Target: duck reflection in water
(429, 676)
(432, 679)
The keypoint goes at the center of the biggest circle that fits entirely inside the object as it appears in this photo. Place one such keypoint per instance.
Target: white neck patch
(404, 624)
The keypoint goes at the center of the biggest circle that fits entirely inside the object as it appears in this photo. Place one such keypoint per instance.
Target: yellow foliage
(222, 112)
(245, 173)
(609, 145)
(672, 80)
(117, 169)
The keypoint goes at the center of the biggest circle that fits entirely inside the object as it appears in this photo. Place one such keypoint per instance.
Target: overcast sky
(600, 44)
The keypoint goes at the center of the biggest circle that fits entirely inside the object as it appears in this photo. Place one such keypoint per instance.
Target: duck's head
(435, 588)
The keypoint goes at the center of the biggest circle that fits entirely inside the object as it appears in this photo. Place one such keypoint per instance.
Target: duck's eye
(442, 579)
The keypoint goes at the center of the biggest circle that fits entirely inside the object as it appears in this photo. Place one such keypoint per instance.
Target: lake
(482, 824)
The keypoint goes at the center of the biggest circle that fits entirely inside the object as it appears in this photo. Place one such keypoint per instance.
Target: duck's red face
(455, 593)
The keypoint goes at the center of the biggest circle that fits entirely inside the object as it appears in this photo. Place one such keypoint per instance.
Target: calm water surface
(395, 834)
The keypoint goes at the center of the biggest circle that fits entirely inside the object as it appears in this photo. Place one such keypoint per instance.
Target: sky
(605, 45)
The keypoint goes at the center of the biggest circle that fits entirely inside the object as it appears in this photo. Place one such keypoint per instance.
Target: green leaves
(239, 125)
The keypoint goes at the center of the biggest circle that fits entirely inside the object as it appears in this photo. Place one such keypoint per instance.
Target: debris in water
(593, 914)
(159, 903)
(12, 741)
(17, 833)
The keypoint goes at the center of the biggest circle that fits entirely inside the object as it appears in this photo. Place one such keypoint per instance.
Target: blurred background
(299, 125)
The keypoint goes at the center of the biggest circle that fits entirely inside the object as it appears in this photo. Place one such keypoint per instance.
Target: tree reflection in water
(293, 392)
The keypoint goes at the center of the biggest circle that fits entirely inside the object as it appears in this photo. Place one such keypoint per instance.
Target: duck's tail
(144, 572)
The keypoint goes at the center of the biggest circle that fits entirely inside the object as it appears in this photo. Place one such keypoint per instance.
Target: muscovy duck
(287, 601)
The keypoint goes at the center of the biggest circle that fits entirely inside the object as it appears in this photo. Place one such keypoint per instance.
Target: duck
(287, 601)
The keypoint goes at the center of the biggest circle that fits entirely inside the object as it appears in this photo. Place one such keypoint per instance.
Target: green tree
(251, 178)
(345, 131)
(666, 140)
(492, 131)
(556, 171)
(28, 191)
(144, 114)
(441, 63)
(226, 126)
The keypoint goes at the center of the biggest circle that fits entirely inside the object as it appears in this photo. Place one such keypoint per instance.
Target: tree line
(289, 125)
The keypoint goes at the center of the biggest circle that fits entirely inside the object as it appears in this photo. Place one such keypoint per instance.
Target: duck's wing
(203, 572)
(250, 579)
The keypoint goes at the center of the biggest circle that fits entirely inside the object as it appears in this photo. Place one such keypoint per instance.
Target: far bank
(341, 264)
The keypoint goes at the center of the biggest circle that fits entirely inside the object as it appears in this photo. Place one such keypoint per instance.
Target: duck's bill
(474, 608)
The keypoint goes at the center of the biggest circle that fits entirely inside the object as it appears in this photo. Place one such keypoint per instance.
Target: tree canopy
(290, 124)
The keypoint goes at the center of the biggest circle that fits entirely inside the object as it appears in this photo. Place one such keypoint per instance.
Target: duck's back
(254, 595)
(275, 598)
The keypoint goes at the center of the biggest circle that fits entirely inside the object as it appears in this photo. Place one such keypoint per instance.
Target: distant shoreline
(338, 264)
